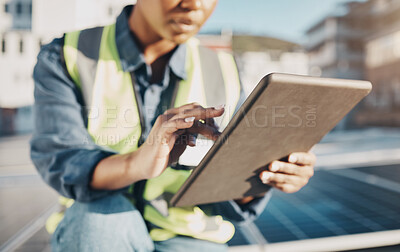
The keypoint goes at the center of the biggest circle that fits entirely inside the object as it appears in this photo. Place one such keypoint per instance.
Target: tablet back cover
(283, 114)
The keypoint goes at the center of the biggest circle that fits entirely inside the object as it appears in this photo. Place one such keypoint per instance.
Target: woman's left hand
(290, 176)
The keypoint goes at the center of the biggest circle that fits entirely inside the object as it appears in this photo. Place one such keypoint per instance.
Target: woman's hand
(290, 176)
(172, 132)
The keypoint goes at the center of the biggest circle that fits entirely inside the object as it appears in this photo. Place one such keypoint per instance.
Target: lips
(187, 21)
(184, 23)
(181, 25)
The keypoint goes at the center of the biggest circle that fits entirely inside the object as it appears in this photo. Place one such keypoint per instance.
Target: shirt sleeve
(61, 148)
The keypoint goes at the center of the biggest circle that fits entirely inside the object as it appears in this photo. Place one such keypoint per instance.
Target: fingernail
(189, 119)
(265, 177)
(274, 167)
(219, 107)
(292, 159)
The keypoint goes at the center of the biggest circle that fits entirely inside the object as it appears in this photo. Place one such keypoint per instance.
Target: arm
(168, 138)
(61, 148)
(72, 163)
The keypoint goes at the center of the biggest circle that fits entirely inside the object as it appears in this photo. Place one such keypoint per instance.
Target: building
(336, 49)
(16, 14)
(362, 42)
(25, 25)
(258, 56)
(17, 57)
(72, 15)
(382, 64)
(335, 44)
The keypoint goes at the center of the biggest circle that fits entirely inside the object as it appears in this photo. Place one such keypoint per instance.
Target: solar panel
(391, 172)
(238, 238)
(332, 204)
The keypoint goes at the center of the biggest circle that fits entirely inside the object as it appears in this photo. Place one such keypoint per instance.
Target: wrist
(135, 167)
(145, 163)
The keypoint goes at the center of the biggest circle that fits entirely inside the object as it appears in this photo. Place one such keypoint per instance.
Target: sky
(285, 19)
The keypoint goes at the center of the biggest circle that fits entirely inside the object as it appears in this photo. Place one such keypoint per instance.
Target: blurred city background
(352, 202)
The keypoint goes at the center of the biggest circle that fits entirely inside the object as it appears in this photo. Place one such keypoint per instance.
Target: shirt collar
(132, 58)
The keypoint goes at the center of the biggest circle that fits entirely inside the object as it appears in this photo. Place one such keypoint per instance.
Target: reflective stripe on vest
(93, 62)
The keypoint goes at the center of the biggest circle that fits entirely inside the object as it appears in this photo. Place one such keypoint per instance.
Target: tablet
(284, 114)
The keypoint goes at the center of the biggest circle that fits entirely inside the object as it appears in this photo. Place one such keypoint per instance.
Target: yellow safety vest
(114, 120)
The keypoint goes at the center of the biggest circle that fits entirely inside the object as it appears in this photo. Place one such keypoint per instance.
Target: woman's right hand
(172, 132)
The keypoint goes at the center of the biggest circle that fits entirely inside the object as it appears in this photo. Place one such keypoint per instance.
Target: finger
(303, 158)
(293, 169)
(181, 109)
(202, 123)
(181, 131)
(192, 140)
(211, 122)
(205, 130)
(270, 177)
(287, 188)
(200, 113)
(186, 139)
(181, 139)
(173, 126)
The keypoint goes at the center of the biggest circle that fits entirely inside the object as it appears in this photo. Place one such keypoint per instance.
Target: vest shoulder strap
(81, 53)
(212, 82)
(223, 85)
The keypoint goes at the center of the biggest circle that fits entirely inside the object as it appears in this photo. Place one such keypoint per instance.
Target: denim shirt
(61, 147)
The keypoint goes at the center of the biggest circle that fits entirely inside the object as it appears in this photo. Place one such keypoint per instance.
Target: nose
(191, 4)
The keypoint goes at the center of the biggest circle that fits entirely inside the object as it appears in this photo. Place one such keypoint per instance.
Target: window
(3, 45)
(21, 46)
(30, 9)
(6, 8)
(19, 8)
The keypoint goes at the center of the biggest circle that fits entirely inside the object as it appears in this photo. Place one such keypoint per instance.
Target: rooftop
(350, 203)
